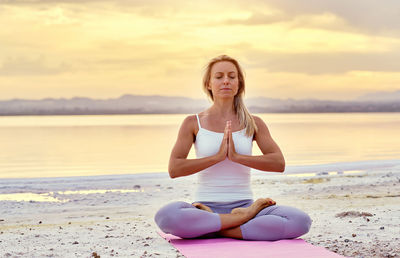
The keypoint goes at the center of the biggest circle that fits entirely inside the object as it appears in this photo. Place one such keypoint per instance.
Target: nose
(226, 80)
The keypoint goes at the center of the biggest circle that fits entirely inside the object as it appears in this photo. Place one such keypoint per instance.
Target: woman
(223, 136)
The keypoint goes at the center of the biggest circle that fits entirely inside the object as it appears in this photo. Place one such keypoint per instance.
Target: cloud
(154, 44)
(325, 63)
(370, 16)
(257, 18)
(324, 21)
(359, 16)
(122, 3)
(31, 67)
(367, 16)
(32, 2)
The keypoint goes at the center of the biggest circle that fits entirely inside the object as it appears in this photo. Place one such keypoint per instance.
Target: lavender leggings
(272, 223)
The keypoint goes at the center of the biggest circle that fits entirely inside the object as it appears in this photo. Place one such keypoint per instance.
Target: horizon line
(174, 96)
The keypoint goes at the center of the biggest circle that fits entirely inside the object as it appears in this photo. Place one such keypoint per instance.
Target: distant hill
(381, 96)
(126, 104)
(319, 106)
(137, 104)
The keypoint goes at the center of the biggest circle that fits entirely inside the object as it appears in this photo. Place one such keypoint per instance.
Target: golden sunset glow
(104, 49)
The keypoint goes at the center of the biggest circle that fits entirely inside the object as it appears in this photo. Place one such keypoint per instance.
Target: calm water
(47, 146)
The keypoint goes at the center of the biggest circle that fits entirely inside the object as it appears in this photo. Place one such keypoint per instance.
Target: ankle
(232, 233)
(243, 217)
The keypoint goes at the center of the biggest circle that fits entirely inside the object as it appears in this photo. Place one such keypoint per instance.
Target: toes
(270, 201)
(198, 205)
(201, 206)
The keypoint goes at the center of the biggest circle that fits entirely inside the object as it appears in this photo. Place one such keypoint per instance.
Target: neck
(223, 108)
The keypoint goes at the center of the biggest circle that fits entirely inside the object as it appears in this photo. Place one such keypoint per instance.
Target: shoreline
(315, 169)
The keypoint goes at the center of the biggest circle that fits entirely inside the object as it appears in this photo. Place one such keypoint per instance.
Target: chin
(226, 96)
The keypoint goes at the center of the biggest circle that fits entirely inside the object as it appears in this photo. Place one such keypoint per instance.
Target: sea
(93, 145)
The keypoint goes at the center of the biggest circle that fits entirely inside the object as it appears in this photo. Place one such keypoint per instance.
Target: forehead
(223, 67)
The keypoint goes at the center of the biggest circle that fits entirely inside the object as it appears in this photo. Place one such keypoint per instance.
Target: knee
(302, 223)
(169, 217)
(306, 221)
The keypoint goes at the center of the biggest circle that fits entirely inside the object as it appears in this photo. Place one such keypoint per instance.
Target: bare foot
(201, 206)
(251, 211)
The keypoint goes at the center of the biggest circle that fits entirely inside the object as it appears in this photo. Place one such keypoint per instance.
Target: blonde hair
(245, 119)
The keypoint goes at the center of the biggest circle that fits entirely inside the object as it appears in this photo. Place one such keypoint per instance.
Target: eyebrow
(228, 73)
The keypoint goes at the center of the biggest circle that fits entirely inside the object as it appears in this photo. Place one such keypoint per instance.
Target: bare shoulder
(189, 126)
(189, 122)
(262, 128)
(259, 122)
(185, 138)
(190, 119)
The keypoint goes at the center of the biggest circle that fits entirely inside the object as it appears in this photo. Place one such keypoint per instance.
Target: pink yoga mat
(234, 248)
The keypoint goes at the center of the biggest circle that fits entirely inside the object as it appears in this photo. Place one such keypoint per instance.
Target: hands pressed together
(227, 149)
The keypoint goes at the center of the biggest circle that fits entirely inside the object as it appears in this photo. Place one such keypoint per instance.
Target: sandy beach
(354, 214)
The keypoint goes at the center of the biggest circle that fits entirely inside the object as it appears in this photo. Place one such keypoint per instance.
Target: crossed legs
(263, 220)
(231, 222)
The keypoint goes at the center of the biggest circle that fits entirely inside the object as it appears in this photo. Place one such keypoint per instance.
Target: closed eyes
(219, 77)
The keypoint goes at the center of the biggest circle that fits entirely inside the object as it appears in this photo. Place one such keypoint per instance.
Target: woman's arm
(272, 159)
(179, 165)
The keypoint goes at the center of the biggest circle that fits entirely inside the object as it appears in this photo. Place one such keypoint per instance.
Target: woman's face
(224, 82)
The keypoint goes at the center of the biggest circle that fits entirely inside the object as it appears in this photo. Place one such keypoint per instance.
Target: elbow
(172, 176)
(172, 173)
(281, 166)
(174, 169)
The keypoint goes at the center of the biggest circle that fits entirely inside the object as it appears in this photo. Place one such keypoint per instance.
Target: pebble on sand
(95, 255)
(353, 214)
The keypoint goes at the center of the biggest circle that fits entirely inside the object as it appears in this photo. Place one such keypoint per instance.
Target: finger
(230, 129)
(226, 131)
(226, 125)
(230, 141)
(229, 125)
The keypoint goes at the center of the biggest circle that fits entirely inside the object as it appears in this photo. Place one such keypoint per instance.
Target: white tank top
(225, 181)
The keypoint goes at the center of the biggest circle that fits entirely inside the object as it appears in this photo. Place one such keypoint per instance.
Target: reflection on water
(49, 197)
(54, 146)
(101, 191)
(330, 173)
(30, 197)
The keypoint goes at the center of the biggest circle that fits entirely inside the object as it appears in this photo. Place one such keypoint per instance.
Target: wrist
(235, 157)
(218, 157)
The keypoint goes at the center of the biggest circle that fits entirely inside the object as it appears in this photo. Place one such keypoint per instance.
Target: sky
(321, 49)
